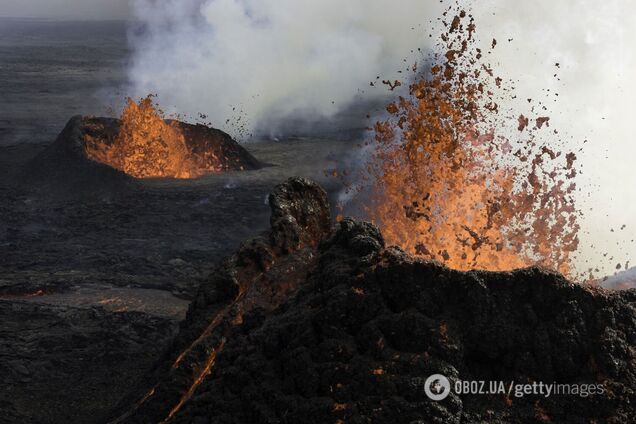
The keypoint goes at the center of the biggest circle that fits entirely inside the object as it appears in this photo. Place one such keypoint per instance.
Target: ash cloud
(270, 60)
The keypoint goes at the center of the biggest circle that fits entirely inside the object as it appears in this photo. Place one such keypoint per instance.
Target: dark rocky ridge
(65, 167)
(202, 140)
(303, 325)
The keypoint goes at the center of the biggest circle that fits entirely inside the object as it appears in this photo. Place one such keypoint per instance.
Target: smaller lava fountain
(143, 144)
(100, 156)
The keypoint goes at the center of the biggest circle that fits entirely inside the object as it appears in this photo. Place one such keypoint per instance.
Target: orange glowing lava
(148, 146)
(200, 376)
(442, 183)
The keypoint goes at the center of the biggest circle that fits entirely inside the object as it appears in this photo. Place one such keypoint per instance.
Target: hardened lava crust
(312, 324)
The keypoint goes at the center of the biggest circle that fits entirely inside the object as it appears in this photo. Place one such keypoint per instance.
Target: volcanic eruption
(311, 321)
(148, 146)
(448, 180)
(309, 324)
(94, 152)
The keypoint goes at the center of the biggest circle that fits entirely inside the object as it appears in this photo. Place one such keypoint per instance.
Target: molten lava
(443, 184)
(148, 146)
(200, 376)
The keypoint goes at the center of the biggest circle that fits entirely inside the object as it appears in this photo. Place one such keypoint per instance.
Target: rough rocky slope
(126, 252)
(71, 365)
(308, 325)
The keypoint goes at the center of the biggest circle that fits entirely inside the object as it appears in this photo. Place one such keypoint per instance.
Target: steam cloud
(590, 98)
(274, 59)
(269, 58)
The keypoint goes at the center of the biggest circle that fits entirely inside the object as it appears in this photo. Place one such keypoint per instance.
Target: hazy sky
(65, 9)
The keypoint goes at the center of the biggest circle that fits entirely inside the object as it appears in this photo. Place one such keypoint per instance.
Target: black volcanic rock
(300, 214)
(244, 289)
(202, 140)
(347, 330)
(61, 364)
(63, 168)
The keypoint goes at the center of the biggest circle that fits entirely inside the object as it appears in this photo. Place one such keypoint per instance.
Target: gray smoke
(268, 60)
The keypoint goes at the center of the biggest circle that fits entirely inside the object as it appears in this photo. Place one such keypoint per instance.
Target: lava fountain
(445, 180)
(146, 145)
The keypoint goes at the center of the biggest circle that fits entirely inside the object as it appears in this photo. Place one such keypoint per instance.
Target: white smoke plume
(589, 96)
(269, 59)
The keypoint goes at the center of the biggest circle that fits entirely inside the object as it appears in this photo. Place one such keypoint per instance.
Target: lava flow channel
(203, 372)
